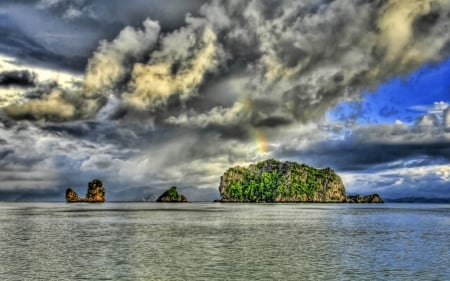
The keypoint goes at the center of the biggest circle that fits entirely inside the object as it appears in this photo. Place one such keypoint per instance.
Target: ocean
(214, 241)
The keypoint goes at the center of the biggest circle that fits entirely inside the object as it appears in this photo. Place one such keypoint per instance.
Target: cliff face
(171, 195)
(95, 193)
(274, 181)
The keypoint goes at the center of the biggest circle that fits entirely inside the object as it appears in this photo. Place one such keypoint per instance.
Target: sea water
(213, 241)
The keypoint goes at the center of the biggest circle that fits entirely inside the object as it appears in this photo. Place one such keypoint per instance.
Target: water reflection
(144, 241)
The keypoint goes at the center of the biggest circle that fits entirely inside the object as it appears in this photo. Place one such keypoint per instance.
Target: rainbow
(260, 140)
(257, 134)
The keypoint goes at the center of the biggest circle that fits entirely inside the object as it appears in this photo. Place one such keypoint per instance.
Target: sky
(146, 94)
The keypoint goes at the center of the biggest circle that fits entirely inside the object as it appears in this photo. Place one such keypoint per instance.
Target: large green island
(274, 181)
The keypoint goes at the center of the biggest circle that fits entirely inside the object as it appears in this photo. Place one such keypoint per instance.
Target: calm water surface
(194, 241)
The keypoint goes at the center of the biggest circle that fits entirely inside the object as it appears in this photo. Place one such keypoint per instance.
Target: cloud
(396, 29)
(77, 27)
(110, 63)
(22, 78)
(50, 158)
(447, 119)
(104, 71)
(301, 58)
(47, 162)
(176, 69)
(218, 116)
(303, 65)
(53, 107)
(72, 13)
(19, 42)
(427, 181)
(394, 160)
(365, 146)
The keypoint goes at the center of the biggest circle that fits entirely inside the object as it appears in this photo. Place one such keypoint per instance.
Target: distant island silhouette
(172, 196)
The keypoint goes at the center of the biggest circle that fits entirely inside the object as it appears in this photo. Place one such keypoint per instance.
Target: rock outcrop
(372, 198)
(172, 196)
(72, 196)
(275, 181)
(95, 193)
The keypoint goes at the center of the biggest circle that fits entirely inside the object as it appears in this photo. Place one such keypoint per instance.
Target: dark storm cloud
(17, 43)
(21, 78)
(41, 89)
(77, 27)
(300, 57)
(115, 14)
(354, 156)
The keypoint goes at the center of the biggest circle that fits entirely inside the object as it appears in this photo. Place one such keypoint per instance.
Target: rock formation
(95, 193)
(72, 196)
(275, 181)
(171, 195)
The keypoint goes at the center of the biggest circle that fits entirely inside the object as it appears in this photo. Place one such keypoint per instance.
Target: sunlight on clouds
(154, 83)
(54, 104)
(216, 116)
(396, 27)
(398, 36)
(14, 96)
(444, 173)
(109, 63)
(9, 96)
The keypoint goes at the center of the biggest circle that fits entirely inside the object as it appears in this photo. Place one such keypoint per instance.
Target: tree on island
(275, 181)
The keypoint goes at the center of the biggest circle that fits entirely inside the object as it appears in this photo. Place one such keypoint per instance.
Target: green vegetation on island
(275, 181)
(172, 195)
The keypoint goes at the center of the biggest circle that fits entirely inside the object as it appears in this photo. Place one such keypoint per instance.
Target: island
(372, 198)
(95, 193)
(272, 181)
(172, 196)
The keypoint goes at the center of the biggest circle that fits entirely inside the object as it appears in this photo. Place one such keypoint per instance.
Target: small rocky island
(95, 193)
(274, 181)
(172, 196)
